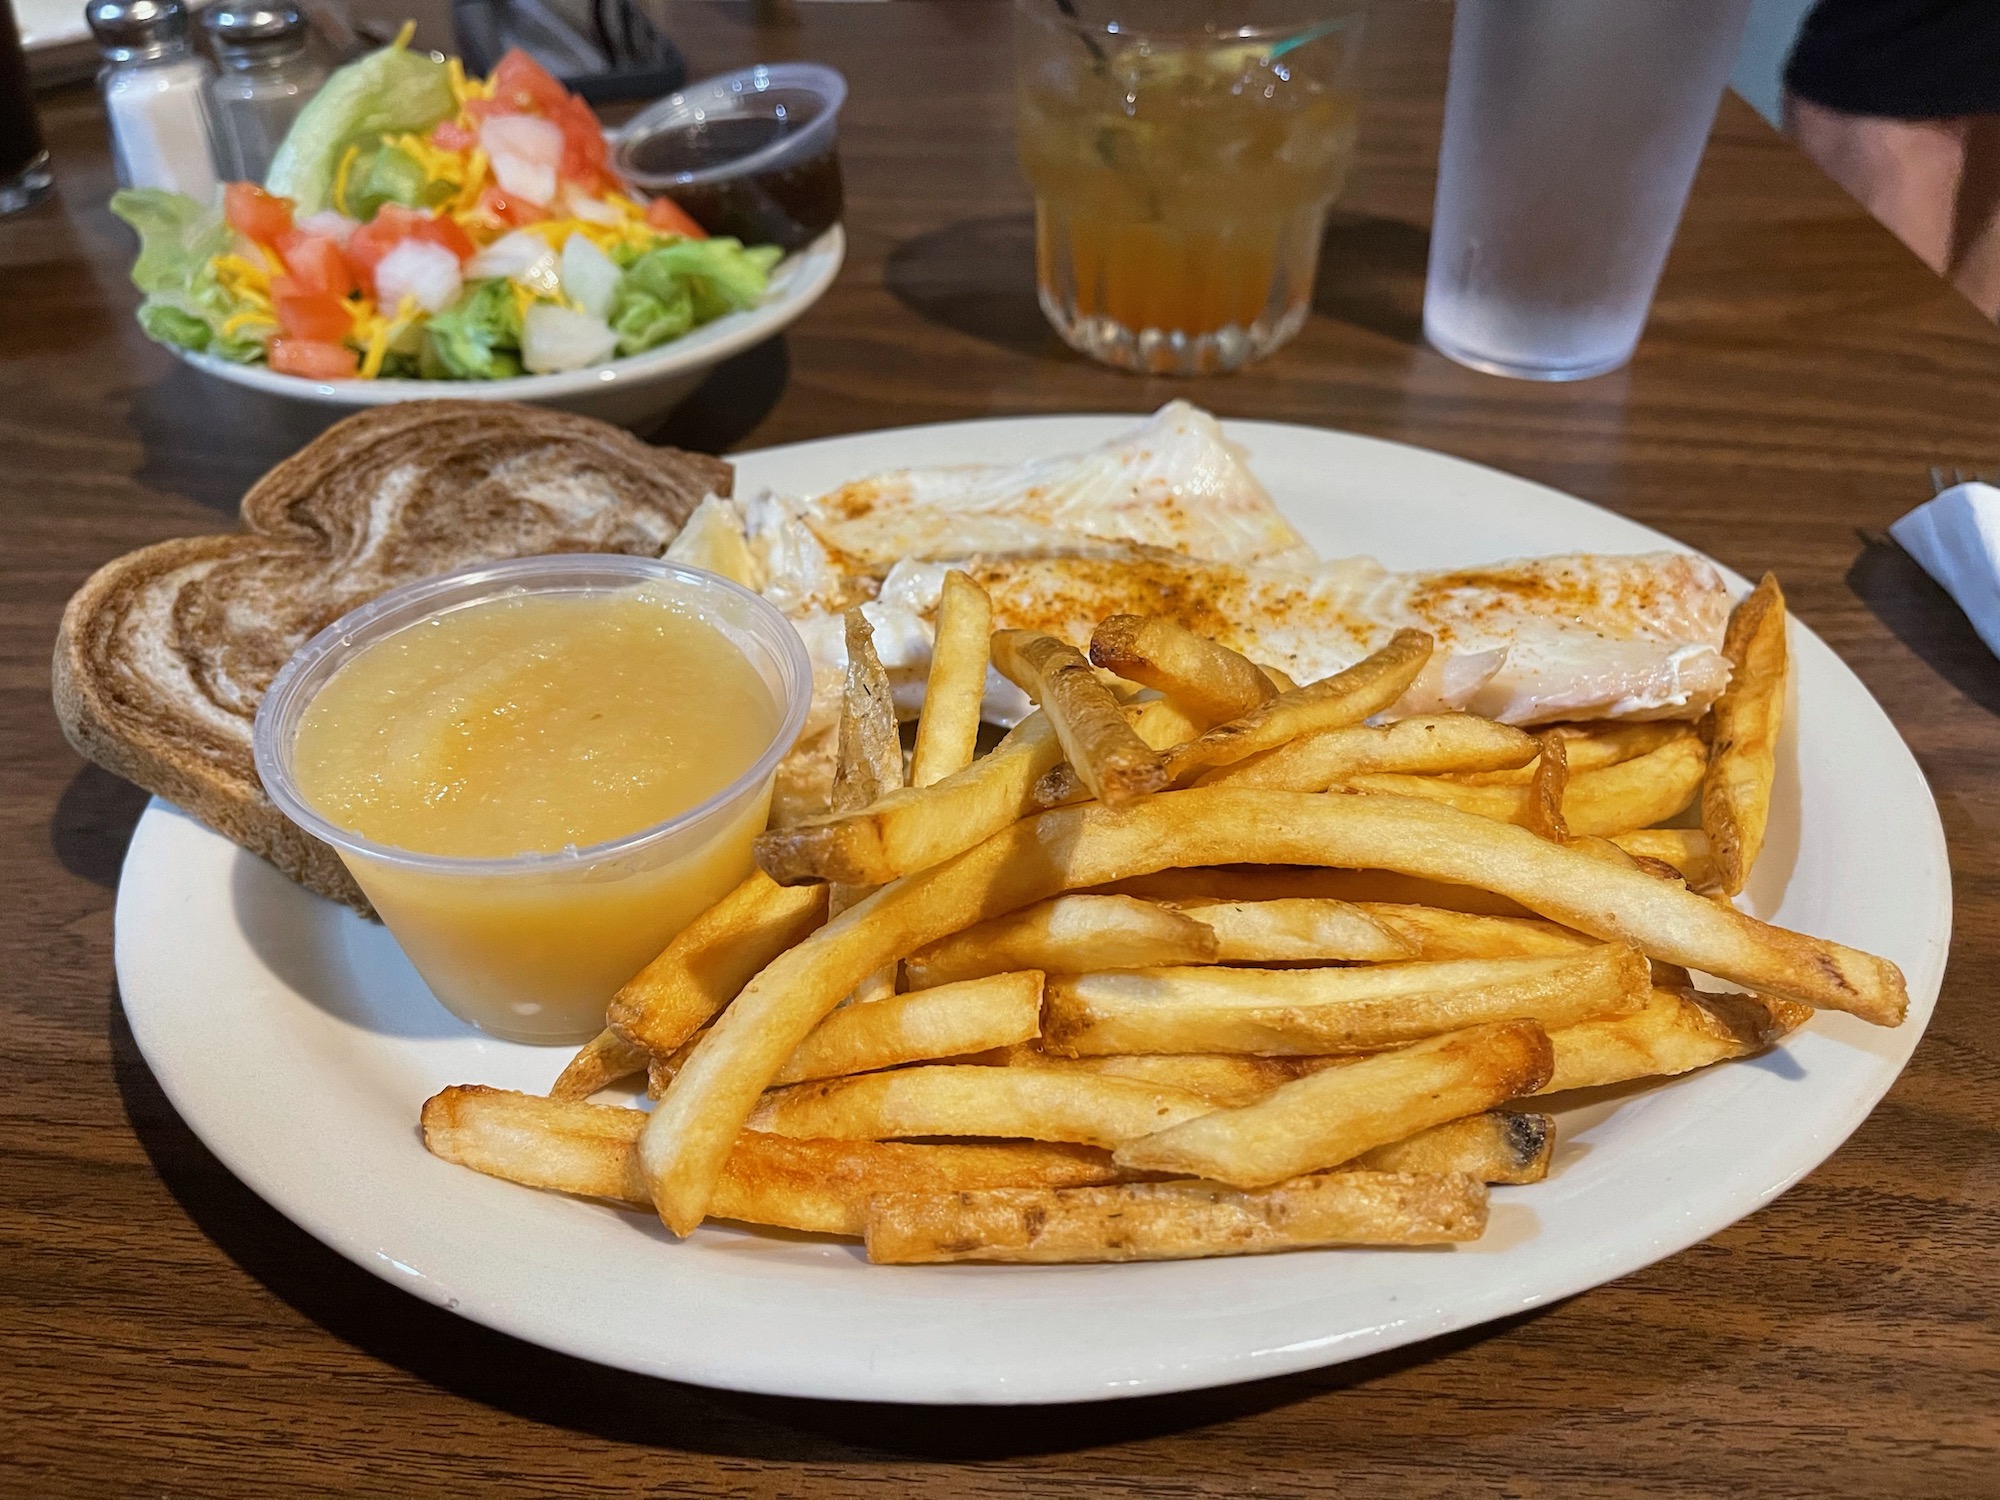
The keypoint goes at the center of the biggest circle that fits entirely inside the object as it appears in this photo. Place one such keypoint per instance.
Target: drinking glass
(1572, 131)
(24, 162)
(1183, 157)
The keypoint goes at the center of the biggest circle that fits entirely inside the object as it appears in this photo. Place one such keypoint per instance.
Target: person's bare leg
(1975, 257)
(1904, 172)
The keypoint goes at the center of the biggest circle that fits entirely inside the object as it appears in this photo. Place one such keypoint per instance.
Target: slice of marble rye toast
(165, 653)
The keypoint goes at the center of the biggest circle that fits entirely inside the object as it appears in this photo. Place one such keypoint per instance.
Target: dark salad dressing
(789, 204)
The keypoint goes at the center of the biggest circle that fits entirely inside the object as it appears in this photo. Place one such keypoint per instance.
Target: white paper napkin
(1956, 539)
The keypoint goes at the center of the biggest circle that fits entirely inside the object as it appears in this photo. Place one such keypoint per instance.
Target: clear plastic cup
(530, 948)
(750, 154)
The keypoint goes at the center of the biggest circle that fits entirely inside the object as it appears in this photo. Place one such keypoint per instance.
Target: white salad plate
(299, 1045)
(633, 392)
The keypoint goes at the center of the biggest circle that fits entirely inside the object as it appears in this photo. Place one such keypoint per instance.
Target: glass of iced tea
(1183, 157)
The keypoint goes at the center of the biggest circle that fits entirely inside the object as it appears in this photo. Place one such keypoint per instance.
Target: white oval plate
(623, 390)
(299, 1045)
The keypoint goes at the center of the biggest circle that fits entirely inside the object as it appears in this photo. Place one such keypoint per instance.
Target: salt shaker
(155, 91)
(266, 79)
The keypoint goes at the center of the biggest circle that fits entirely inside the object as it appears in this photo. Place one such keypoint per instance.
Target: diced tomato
(313, 358)
(449, 135)
(314, 263)
(665, 214)
(259, 215)
(586, 159)
(317, 317)
(515, 211)
(390, 227)
(524, 86)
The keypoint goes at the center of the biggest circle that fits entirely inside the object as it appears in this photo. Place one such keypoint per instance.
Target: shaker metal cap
(136, 25)
(236, 22)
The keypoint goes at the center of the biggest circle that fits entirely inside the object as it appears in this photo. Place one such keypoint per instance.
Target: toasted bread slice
(164, 654)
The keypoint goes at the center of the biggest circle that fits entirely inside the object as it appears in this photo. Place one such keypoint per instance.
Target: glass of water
(1571, 136)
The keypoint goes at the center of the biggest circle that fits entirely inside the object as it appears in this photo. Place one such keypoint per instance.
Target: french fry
(1611, 799)
(1439, 934)
(1348, 697)
(1586, 747)
(966, 1100)
(712, 958)
(1426, 744)
(1163, 723)
(823, 1187)
(1546, 791)
(1068, 932)
(1498, 1146)
(1293, 930)
(868, 764)
(1677, 1032)
(1207, 677)
(1742, 759)
(1224, 1080)
(1312, 1012)
(947, 1021)
(1090, 845)
(605, 1059)
(1331, 1117)
(948, 729)
(1685, 849)
(1173, 1220)
(1309, 883)
(1099, 744)
(918, 827)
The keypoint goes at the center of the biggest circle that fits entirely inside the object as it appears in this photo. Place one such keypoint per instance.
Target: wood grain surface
(162, 1332)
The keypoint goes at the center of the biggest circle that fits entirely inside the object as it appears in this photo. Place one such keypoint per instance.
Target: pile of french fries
(1194, 961)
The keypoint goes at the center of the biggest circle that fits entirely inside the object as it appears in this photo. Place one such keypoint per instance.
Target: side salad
(420, 224)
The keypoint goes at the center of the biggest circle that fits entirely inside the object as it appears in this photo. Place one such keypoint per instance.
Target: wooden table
(163, 1332)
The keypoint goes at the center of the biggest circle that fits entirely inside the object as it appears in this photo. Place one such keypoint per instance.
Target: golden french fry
(1440, 934)
(969, 1100)
(1547, 789)
(1173, 1220)
(822, 1187)
(1092, 845)
(1068, 932)
(1289, 930)
(1308, 883)
(1333, 1116)
(1677, 1032)
(1164, 723)
(1348, 697)
(1317, 1011)
(604, 1060)
(1204, 675)
(1586, 747)
(1742, 759)
(948, 729)
(712, 958)
(868, 765)
(947, 1021)
(1222, 1079)
(1096, 739)
(1061, 787)
(1498, 1146)
(1427, 744)
(1611, 799)
(1685, 849)
(918, 827)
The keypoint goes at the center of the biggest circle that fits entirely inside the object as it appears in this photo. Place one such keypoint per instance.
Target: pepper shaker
(266, 79)
(155, 91)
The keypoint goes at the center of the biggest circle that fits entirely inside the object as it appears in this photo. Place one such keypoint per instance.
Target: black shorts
(1904, 59)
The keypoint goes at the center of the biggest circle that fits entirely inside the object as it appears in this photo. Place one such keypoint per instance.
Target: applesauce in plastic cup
(539, 771)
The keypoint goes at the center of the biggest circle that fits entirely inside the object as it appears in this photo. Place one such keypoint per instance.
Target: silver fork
(1939, 484)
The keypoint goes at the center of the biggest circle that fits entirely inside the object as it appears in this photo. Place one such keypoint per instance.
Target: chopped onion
(521, 257)
(589, 276)
(330, 223)
(524, 153)
(590, 210)
(560, 338)
(419, 269)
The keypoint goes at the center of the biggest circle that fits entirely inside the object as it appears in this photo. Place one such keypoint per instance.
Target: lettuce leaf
(721, 276)
(644, 321)
(385, 93)
(477, 338)
(388, 174)
(185, 305)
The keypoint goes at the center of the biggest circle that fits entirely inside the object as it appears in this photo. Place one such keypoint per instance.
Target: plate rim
(795, 1378)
